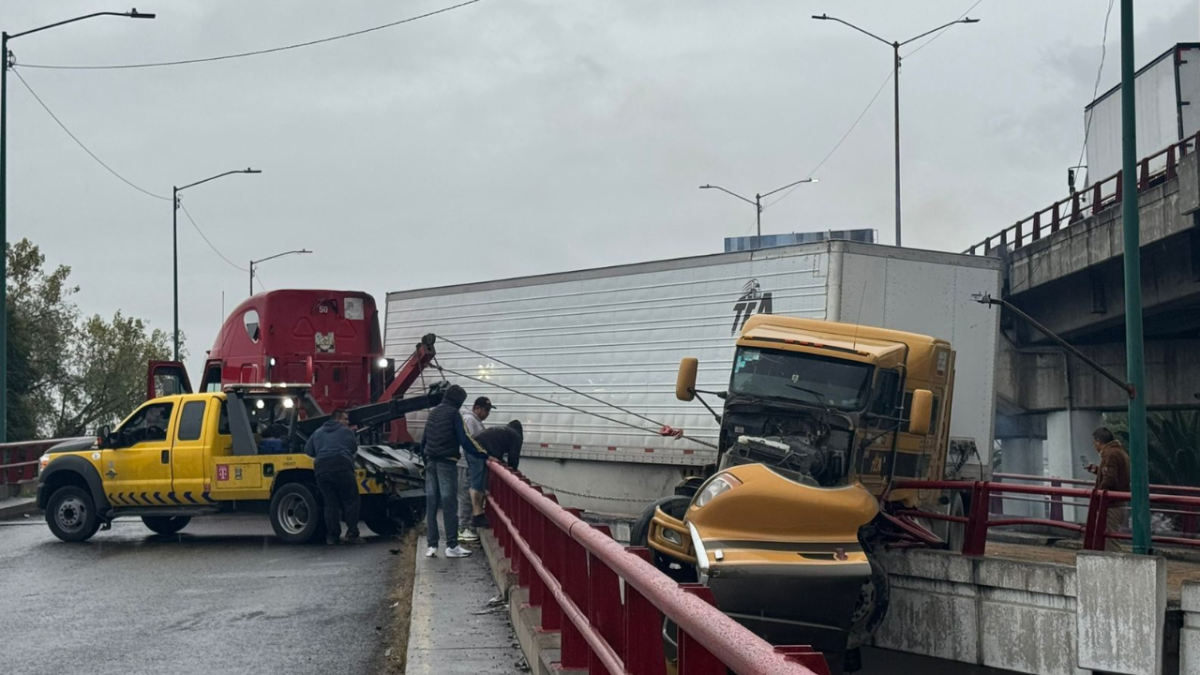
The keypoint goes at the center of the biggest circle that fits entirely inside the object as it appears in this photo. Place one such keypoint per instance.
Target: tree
(106, 378)
(1172, 445)
(66, 374)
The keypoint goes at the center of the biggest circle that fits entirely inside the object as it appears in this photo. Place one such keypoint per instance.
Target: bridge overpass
(1064, 267)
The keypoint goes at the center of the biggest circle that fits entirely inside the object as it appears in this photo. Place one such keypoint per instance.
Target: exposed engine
(804, 449)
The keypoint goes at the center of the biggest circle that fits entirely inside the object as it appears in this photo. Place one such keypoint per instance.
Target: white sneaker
(431, 552)
(467, 534)
(457, 552)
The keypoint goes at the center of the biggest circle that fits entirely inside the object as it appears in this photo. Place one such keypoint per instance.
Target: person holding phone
(1111, 474)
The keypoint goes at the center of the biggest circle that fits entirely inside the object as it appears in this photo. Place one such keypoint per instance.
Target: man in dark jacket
(333, 447)
(1112, 474)
(503, 443)
(444, 437)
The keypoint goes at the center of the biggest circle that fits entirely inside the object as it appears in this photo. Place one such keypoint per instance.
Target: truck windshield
(804, 378)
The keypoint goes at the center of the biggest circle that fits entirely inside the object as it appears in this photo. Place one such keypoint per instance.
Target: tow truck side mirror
(921, 415)
(685, 382)
(102, 434)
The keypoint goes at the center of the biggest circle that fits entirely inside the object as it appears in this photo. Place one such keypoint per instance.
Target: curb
(541, 647)
(21, 507)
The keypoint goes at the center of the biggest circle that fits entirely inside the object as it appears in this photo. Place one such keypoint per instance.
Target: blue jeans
(441, 491)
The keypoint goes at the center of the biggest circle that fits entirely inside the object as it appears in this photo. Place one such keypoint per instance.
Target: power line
(1087, 127)
(80, 143)
(846, 135)
(868, 107)
(210, 244)
(258, 52)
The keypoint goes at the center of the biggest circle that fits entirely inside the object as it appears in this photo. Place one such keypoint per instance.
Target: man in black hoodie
(333, 447)
(441, 444)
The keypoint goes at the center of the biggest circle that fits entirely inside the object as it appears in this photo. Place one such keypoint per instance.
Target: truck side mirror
(685, 382)
(921, 415)
(102, 435)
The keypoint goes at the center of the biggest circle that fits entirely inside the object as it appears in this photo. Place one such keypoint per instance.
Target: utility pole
(895, 45)
(758, 207)
(5, 63)
(175, 241)
(1134, 355)
(896, 82)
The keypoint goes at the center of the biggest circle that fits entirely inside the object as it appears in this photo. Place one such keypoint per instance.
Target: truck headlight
(43, 461)
(719, 484)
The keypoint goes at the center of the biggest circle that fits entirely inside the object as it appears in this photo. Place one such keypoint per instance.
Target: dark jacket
(503, 443)
(333, 447)
(444, 431)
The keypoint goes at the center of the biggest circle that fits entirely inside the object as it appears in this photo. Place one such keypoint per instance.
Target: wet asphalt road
(223, 596)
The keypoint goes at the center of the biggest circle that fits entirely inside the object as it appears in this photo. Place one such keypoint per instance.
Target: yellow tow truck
(819, 417)
(242, 449)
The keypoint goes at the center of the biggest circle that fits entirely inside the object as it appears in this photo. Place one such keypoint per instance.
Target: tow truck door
(139, 473)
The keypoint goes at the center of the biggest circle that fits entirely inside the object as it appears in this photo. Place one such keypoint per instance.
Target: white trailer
(1167, 107)
(618, 333)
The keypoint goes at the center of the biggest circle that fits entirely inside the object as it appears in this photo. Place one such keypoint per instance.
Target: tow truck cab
(186, 455)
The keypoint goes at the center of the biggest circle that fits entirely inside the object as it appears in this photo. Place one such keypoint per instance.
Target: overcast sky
(516, 137)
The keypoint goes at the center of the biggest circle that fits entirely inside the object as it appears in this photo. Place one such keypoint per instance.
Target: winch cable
(650, 431)
(573, 391)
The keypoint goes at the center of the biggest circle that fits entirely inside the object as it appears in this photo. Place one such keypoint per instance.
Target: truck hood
(73, 445)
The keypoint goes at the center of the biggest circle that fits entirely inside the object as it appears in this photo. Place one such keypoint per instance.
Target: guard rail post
(643, 628)
(975, 534)
(1056, 504)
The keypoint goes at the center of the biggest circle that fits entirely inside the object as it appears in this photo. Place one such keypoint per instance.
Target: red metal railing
(608, 601)
(1152, 170)
(982, 499)
(18, 461)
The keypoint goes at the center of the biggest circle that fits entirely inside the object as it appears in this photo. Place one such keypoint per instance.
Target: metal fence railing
(608, 601)
(1152, 170)
(19, 461)
(986, 511)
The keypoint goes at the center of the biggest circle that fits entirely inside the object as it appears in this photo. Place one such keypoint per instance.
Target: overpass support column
(1023, 456)
(1069, 435)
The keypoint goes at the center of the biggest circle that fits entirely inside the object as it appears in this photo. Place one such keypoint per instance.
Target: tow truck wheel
(296, 514)
(166, 524)
(380, 523)
(71, 514)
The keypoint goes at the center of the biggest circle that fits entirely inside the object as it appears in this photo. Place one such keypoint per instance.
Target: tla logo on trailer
(753, 301)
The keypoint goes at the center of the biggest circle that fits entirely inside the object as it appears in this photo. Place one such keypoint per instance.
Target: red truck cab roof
(329, 339)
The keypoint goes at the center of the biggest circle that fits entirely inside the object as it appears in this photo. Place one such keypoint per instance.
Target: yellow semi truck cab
(187, 455)
(817, 420)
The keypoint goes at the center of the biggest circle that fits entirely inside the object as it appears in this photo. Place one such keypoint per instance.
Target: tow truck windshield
(804, 378)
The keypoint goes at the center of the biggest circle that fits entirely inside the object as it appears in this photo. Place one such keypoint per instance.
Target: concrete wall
(1031, 617)
(606, 487)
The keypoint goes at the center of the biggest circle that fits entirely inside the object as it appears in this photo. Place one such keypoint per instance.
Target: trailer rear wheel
(296, 514)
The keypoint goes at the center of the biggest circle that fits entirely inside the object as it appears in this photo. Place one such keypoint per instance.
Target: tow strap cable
(662, 430)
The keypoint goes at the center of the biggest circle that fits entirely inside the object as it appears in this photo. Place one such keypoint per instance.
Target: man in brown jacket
(1112, 474)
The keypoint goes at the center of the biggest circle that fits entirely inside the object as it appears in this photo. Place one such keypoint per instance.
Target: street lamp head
(814, 180)
(969, 20)
(249, 170)
(705, 187)
(823, 17)
(134, 14)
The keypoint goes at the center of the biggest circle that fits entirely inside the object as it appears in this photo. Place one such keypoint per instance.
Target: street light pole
(758, 207)
(895, 45)
(175, 243)
(5, 63)
(1134, 355)
(277, 255)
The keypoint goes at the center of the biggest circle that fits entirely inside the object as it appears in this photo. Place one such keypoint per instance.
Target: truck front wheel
(71, 514)
(166, 524)
(295, 513)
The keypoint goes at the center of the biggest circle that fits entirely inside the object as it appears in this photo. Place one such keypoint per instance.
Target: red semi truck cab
(330, 339)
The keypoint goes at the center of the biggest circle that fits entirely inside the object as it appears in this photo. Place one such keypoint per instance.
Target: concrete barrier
(1121, 613)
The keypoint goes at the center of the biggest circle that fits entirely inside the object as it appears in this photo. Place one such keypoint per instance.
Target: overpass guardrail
(19, 461)
(986, 511)
(609, 602)
(1152, 170)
